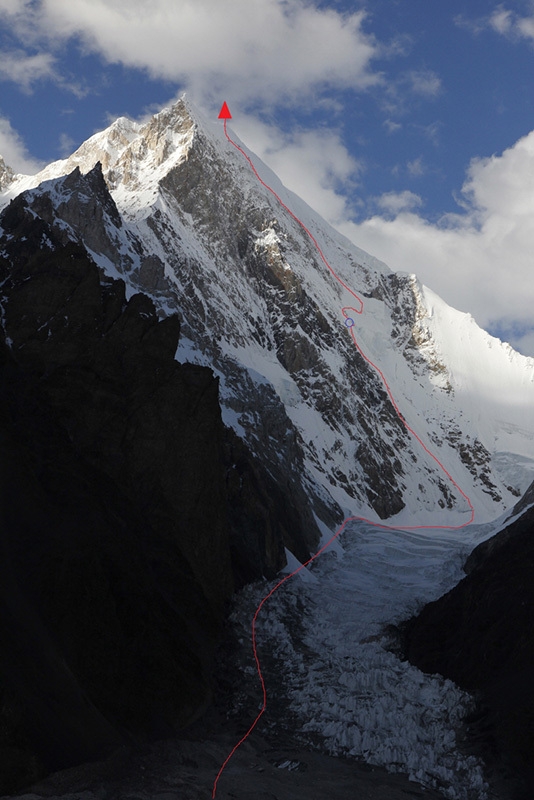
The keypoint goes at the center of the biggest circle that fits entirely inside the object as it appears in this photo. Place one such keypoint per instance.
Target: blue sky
(406, 123)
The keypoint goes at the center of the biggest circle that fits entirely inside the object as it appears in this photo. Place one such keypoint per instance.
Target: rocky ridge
(6, 174)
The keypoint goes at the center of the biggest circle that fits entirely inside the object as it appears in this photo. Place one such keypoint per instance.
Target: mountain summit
(188, 222)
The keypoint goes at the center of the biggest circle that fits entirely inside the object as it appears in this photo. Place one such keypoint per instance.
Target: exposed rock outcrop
(6, 174)
(263, 518)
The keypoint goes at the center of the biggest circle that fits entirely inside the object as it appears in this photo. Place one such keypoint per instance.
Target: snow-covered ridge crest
(132, 154)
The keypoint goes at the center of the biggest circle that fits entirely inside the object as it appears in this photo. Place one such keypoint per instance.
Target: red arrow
(224, 113)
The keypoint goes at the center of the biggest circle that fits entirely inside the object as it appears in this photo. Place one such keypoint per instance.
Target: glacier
(332, 654)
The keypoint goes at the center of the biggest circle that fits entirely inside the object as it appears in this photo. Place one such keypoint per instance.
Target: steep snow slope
(199, 232)
(492, 382)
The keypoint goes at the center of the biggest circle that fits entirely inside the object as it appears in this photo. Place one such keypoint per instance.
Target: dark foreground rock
(185, 770)
(115, 562)
(127, 512)
(481, 635)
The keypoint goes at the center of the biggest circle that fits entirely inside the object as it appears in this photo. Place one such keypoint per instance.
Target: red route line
(340, 530)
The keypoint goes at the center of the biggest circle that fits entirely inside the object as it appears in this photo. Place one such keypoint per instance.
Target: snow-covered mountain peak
(107, 147)
(133, 155)
(480, 367)
(190, 223)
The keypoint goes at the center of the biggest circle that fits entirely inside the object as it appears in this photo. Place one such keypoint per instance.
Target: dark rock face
(128, 513)
(108, 367)
(262, 517)
(115, 562)
(480, 635)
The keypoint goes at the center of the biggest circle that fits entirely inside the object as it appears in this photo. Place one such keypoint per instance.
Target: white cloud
(395, 202)
(526, 27)
(406, 89)
(509, 24)
(479, 260)
(416, 168)
(267, 50)
(503, 21)
(14, 152)
(12, 6)
(23, 69)
(425, 82)
(66, 145)
(432, 131)
(392, 127)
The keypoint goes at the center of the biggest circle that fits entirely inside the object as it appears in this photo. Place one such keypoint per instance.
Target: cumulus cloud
(14, 152)
(268, 50)
(510, 24)
(416, 168)
(479, 260)
(424, 82)
(501, 21)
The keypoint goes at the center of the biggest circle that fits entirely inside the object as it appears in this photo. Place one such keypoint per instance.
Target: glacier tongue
(323, 647)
